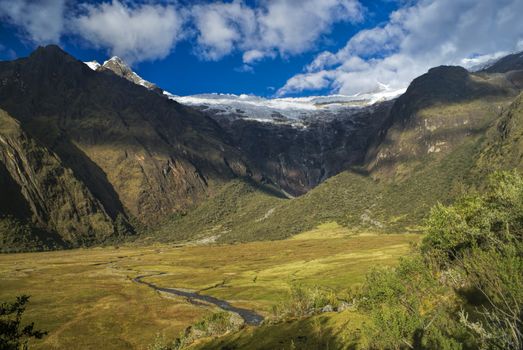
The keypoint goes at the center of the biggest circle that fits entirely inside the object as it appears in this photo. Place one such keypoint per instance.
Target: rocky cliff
(112, 150)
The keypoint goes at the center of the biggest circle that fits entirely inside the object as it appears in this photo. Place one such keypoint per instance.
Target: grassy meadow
(86, 298)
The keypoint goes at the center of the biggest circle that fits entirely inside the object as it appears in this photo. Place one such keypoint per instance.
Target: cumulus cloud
(416, 37)
(221, 27)
(39, 21)
(273, 27)
(140, 30)
(133, 32)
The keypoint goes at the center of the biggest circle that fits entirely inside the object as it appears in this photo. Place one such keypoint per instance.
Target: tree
(13, 335)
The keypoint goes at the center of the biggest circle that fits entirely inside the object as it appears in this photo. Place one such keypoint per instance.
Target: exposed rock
(43, 189)
(120, 68)
(109, 148)
(327, 308)
(343, 306)
(299, 158)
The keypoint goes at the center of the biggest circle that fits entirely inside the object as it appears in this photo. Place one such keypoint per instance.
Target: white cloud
(39, 21)
(139, 30)
(222, 26)
(285, 27)
(416, 37)
(133, 32)
(252, 56)
(292, 26)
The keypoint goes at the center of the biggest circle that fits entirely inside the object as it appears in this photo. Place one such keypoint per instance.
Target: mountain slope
(141, 156)
(300, 158)
(427, 154)
(504, 144)
(33, 180)
(440, 110)
(506, 64)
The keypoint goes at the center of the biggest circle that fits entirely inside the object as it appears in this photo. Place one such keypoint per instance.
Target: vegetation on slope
(101, 151)
(460, 290)
(36, 189)
(427, 155)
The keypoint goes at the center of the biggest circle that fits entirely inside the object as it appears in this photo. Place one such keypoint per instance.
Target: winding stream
(250, 317)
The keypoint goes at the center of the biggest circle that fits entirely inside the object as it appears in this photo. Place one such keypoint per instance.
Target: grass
(86, 299)
(324, 331)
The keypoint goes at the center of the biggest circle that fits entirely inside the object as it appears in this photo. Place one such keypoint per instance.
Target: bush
(471, 258)
(483, 222)
(216, 324)
(407, 308)
(305, 301)
(13, 335)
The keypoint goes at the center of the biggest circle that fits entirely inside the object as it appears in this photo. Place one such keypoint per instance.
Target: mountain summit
(116, 65)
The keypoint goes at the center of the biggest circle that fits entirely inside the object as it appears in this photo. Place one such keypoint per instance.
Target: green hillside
(428, 155)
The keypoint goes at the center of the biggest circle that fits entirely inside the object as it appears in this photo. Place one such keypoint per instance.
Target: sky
(269, 47)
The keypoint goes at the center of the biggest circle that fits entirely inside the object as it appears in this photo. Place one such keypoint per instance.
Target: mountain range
(93, 153)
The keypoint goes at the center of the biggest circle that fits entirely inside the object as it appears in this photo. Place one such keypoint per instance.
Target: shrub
(304, 301)
(474, 248)
(483, 222)
(13, 335)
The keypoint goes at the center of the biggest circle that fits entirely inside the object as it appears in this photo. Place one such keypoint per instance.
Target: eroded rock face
(37, 185)
(440, 111)
(127, 152)
(298, 158)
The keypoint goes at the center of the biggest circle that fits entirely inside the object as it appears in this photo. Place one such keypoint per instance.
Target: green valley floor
(86, 298)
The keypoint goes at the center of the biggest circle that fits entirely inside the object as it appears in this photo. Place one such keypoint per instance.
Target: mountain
(298, 143)
(89, 156)
(504, 145)
(506, 64)
(426, 151)
(120, 68)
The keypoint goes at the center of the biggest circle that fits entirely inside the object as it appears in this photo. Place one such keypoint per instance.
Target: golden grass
(86, 299)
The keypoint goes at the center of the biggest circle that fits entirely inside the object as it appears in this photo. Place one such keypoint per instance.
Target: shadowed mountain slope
(137, 156)
(88, 156)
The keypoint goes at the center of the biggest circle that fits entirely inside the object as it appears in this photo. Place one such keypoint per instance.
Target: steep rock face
(440, 111)
(120, 68)
(503, 147)
(299, 158)
(34, 185)
(139, 154)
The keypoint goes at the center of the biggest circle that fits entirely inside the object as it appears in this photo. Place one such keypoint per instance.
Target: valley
(371, 221)
(87, 298)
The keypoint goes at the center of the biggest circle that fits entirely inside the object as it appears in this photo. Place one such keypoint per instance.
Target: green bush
(13, 335)
(216, 324)
(471, 259)
(305, 301)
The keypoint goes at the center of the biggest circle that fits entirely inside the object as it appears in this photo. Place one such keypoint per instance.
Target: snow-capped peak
(117, 60)
(119, 67)
(94, 65)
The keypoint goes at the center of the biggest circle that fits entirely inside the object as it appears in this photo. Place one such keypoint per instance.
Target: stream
(249, 316)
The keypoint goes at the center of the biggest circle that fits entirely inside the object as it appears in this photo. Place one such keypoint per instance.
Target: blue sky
(269, 47)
